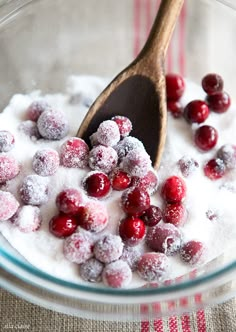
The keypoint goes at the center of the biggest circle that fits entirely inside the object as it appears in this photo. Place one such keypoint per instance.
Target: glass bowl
(45, 41)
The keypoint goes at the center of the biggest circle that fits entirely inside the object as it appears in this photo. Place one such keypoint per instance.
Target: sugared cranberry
(91, 270)
(108, 249)
(132, 230)
(120, 180)
(108, 133)
(152, 216)
(211, 215)
(148, 182)
(8, 205)
(164, 238)
(215, 169)
(34, 190)
(175, 86)
(227, 153)
(206, 137)
(187, 166)
(78, 247)
(93, 139)
(27, 218)
(30, 129)
(97, 184)
(69, 201)
(136, 163)
(219, 102)
(175, 214)
(192, 252)
(126, 145)
(46, 162)
(173, 190)
(63, 225)
(6, 141)
(36, 108)
(74, 153)
(196, 111)
(212, 83)
(93, 216)
(135, 200)
(131, 255)
(9, 168)
(52, 125)
(103, 158)
(124, 124)
(175, 108)
(153, 266)
(117, 274)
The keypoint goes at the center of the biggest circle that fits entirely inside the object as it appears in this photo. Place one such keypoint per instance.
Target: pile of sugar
(44, 250)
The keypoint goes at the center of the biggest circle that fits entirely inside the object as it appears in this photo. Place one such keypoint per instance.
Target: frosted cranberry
(91, 270)
(34, 190)
(206, 137)
(136, 163)
(211, 215)
(218, 102)
(69, 201)
(78, 247)
(108, 133)
(126, 145)
(175, 86)
(63, 225)
(103, 158)
(132, 230)
(153, 266)
(215, 169)
(164, 238)
(27, 218)
(135, 200)
(124, 124)
(36, 108)
(175, 214)
(97, 184)
(212, 83)
(93, 216)
(46, 162)
(152, 216)
(131, 255)
(74, 153)
(192, 252)
(8, 205)
(94, 139)
(227, 153)
(173, 190)
(120, 180)
(6, 141)
(196, 111)
(52, 125)
(175, 108)
(9, 168)
(117, 274)
(187, 166)
(30, 129)
(108, 249)
(148, 182)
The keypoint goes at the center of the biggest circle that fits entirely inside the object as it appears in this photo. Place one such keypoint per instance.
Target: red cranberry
(108, 133)
(9, 168)
(192, 252)
(91, 270)
(152, 216)
(30, 129)
(153, 266)
(74, 153)
(108, 249)
(175, 214)
(27, 218)
(36, 108)
(63, 225)
(6, 141)
(69, 201)
(8, 205)
(175, 86)
(206, 137)
(136, 163)
(175, 108)
(103, 158)
(135, 201)
(187, 166)
(215, 169)
(131, 255)
(46, 162)
(124, 124)
(219, 102)
(97, 184)
(52, 125)
(227, 153)
(126, 145)
(196, 111)
(148, 182)
(117, 274)
(34, 190)
(212, 83)
(211, 215)
(132, 230)
(120, 180)
(174, 190)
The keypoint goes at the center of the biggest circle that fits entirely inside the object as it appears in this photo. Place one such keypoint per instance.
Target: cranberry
(97, 184)
(212, 83)
(215, 169)
(135, 201)
(74, 153)
(27, 218)
(91, 270)
(211, 215)
(153, 266)
(52, 125)
(126, 145)
(117, 274)
(196, 111)
(120, 180)
(63, 225)
(219, 102)
(9, 168)
(8, 205)
(103, 158)
(6, 141)
(206, 137)
(175, 214)
(131, 255)
(108, 133)
(227, 153)
(30, 129)
(164, 238)
(175, 86)
(152, 216)
(69, 200)
(124, 124)
(36, 108)
(192, 252)
(174, 190)
(136, 163)
(175, 108)
(148, 182)
(132, 230)
(187, 166)
(108, 249)
(94, 139)
(34, 190)
(46, 162)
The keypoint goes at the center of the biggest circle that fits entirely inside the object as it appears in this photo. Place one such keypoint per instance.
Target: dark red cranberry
(175, 108)
(192, 252)
(212, 83)
(120, 180)
(196, 111)
(215, 169)
(152, 216)
(63, 225)
(175, 86)
(69, 200)
(175, 214)
(97, 184)
(135, 200)
(174, 190)
(132, 230)
(219, 102)
(206, 137)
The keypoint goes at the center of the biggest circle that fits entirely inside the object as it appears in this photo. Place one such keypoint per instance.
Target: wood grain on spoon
(139, 91)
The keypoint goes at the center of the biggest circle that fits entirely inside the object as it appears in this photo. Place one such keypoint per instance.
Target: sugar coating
(30, 129)
(136, 163)
(93, 216)
(36, 108)
(131, 255)
(27, 218)
(91, 270)
(9, 168)
(109, 248)
(8, 205)
(34, 190)
(103, 158)
(46, 162)
(117, 274)
(53, 125)
(124, 124)
(228, 155)
(6, 141)
(74, 153)
(126, 145)
(153, 266)
(108, 133)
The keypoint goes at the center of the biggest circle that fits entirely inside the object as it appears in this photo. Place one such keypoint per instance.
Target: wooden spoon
(139, 91)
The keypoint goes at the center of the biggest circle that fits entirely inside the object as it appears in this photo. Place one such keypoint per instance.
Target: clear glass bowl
(42, 42)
